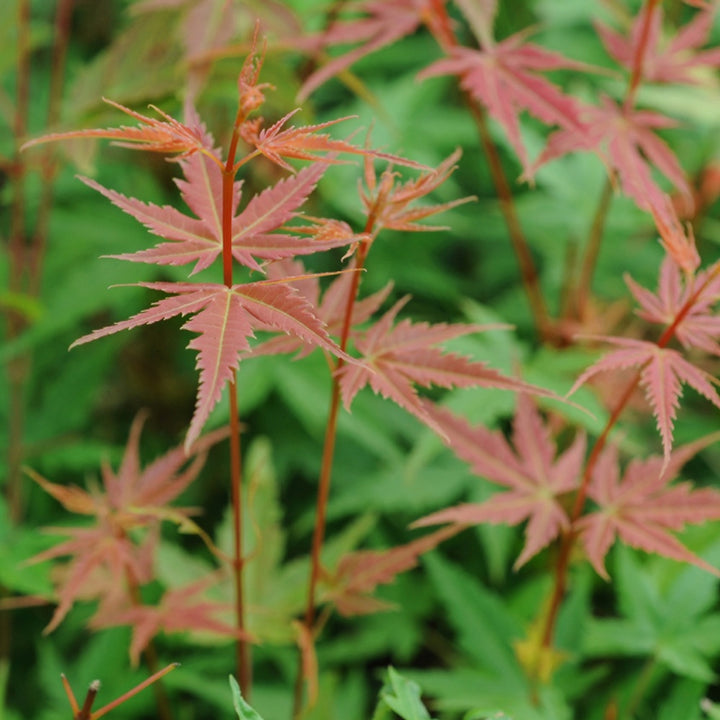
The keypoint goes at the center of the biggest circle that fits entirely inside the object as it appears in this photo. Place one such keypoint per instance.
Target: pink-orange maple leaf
(179, 610)
(132, 497)
(678, 61)
(505, 78)
(662, 372)
(625, 141)
(396, 357)
(167, 136)
(224, 318)
(381, 23)
(690, 298)
(259, 231)
(359, 573)
(534, 477)
(641, 508)
(388, 202)
(331, 309)
(678, 241)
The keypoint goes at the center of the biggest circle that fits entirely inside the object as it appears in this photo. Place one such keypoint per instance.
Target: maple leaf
(678, 61)
(678, 242)
(641, 508)
(359, 573)
(254, 230)
(224, 318)
(504, 77)
(381, 23)
(397, 357)
(699, 326)
(331, 309)
(101, 565)
(179, 610)
(300, 143)
(133, 497)
(625, 141)
(167, 136)
(387, 201)
(534, 477)
(662, 372)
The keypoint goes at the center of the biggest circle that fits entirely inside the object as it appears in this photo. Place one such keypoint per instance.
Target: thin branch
(325, 478)
(242, 647)
(528, 272)
(592, 250)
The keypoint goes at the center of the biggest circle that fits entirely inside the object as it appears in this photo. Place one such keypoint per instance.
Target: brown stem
(86, 709)
(639, 59)
(441, 27)
(528, 271)
(326, 466)
(18, 260)
(243, 658)
(18, 367)
(570, 535)
(596, 232)
(48, 163)
(134, 691)
(592, 250)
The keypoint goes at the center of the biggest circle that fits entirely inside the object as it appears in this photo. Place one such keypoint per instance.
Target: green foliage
(243, 710)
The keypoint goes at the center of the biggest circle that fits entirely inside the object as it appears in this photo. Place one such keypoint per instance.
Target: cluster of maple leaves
(638, 505)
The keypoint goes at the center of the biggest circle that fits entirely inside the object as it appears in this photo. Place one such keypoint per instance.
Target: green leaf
(243, 710)
(403, 696)
(660, 623)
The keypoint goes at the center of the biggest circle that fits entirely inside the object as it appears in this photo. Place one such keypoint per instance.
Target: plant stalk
(325, 478)
(243, 657)
(528, 272)
(592, 251)
(442, 28)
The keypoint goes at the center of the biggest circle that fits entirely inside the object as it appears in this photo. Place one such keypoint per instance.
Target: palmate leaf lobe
(662, 372)
(224, 318)
(380, 23)
(258, 231)
(359, 573)
(389, 202)
(330, 309)
(396, 357)
(180, 609)
(531, 471)
(641, 508)
(167, 136)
